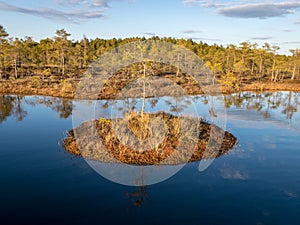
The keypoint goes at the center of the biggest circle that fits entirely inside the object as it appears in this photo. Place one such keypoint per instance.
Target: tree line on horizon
(60, 58)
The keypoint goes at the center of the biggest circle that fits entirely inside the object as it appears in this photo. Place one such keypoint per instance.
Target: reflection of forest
(284, 102)
(11, 106)
(14, 106)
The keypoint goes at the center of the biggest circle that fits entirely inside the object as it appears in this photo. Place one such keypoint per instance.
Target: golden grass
(172, 150)
(67, 88)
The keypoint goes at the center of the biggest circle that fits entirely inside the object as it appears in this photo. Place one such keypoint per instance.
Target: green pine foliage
(63, 58)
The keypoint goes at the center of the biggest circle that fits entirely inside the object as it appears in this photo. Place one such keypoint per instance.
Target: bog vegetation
(58, 58)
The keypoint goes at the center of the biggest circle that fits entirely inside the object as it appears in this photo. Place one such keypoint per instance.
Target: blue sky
(212, 21)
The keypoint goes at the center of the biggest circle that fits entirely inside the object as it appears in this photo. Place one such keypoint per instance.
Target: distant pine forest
(59, 58)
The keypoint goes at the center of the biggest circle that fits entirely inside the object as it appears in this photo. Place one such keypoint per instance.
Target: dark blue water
(256, 183)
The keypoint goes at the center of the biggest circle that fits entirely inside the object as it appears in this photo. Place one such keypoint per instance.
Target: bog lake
(257, 182)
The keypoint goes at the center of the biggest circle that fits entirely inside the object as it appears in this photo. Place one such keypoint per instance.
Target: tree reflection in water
(138, 197)
(13, 106)
(286, 103)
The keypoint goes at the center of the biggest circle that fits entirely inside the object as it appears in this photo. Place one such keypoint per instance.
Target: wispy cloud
(261, 38)
(210, 39)
(149, 34)
(191, 34)
(291, 43)
(74, 11)
(191, 31)
(68, 2)
(297, 22)
(94, 3)
(206, 3)
(189, 2)
(262, 9)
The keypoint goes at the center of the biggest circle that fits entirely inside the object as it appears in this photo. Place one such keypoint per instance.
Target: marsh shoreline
(67, 88)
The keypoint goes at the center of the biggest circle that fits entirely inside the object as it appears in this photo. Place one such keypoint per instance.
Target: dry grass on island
(168, 152)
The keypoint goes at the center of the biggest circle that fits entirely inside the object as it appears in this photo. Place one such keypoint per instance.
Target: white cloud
(149, 34)
(261, 38)
(94, 3)
(250, 9)
(191, 31)
(68, 2)
(74, 11)
(189, 2)
(100, 3)
(260, 10)
(291, 42)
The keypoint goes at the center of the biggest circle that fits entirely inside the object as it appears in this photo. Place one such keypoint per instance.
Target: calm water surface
(256, 183)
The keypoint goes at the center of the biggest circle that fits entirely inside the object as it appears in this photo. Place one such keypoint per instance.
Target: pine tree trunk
(294, 73)
(144, 90)
(16, 69)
